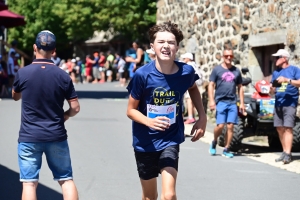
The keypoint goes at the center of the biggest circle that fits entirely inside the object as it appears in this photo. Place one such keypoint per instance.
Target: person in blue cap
(43, 88)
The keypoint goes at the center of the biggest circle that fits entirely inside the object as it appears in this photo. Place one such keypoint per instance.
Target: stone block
(200, 9)
(246, 12)
(234, 11)
(209, 27)
(211, 49)
(271, 8)
(237, 27)
(212, 13)
(218, 56)
(226, 11)
(207, 3)
(215, 24)
(234, 43)
(219, 46)
(195, 19)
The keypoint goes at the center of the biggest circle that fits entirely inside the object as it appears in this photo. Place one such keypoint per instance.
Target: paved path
(104, 165)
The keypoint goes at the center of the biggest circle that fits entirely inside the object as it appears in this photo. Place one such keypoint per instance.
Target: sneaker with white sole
(227, 154)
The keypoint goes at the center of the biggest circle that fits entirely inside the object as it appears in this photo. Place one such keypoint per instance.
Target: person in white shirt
(188, 58)
(121, 71)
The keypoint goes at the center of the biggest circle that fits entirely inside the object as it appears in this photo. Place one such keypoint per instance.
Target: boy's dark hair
(166, 26)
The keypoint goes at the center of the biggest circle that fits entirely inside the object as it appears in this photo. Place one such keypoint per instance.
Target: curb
(267, 158)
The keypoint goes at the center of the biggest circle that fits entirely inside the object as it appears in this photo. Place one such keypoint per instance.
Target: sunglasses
(226, 56)
(277, 57)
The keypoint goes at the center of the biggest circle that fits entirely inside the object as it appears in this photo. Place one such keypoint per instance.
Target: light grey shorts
(284, 116)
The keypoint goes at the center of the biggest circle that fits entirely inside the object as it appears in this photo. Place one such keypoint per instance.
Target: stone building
(253, 28)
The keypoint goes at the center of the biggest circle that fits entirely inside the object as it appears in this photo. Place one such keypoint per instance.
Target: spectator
(55, 59)
(96, 72)
(88, 68)
(188, 58)
(151, 54)
(139, 60)
(11, 70)
(285, 81)
(102, 67)
(3, 78)
(43, 89)
(14, 45)
(109, 66)
(121, 70)
(225, 78)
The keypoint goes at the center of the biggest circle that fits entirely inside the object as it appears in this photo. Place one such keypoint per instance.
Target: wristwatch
(290, 81)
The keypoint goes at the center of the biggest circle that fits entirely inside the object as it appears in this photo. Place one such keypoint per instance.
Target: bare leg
(218, 131)
(288, 140)
(29, 190)
(169, 175)
(229, 134)
(69, 190)
(149, 188)
(281, 131)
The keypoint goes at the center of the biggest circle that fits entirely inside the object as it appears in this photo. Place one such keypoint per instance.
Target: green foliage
(74, 21)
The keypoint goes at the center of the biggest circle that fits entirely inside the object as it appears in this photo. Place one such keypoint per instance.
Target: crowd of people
(107, 66)
(10, 63)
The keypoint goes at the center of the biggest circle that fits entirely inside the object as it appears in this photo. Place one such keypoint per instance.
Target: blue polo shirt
(153, 89)
(44, 88)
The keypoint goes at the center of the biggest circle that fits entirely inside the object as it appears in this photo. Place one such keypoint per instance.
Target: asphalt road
(104, 166)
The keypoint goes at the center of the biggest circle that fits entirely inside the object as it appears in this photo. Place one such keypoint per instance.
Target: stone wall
(209, 25)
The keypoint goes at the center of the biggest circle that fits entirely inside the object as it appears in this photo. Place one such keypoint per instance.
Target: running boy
(155, 100)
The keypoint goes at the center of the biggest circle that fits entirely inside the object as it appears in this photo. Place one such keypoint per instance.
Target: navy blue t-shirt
(226, 81)
(155, 89)
(287, 94)
(96, 64)
(44, 88)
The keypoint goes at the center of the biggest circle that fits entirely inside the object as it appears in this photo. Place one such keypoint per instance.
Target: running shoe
(212, 148)
(287, 158)
(227, 154)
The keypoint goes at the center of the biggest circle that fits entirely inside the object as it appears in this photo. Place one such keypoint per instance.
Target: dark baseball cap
(45, 40)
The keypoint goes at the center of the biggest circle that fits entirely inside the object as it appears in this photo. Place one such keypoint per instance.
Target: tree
(73, 21)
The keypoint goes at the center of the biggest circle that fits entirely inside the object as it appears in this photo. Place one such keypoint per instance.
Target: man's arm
(73, 110)
(15, 95)
(212, 103)
(200, 125)
(241, 94)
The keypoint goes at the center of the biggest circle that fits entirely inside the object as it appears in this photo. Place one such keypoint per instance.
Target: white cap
(73, 60)
(187, 55)
(282, 52)
(150, 51)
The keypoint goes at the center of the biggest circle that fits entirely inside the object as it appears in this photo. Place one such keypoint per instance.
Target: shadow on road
(102, 94)
(11, 187)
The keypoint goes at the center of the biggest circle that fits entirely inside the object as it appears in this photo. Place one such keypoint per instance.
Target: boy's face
(165, 46)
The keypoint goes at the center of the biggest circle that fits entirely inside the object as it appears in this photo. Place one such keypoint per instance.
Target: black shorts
(149, 164)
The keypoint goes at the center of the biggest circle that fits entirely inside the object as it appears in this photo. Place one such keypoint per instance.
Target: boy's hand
(198, 129)
(159, 123)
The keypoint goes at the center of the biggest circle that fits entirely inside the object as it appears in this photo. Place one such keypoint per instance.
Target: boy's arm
(200, 125)
(158, 123)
